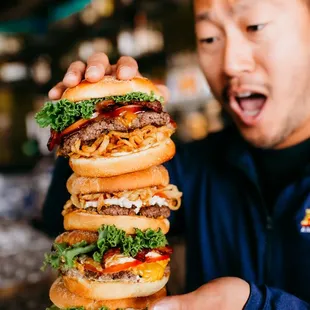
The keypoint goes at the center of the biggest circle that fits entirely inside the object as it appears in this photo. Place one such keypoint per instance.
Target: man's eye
(255, 28)
(208, 40)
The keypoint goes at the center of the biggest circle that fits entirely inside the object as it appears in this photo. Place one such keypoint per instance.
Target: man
(246, 191)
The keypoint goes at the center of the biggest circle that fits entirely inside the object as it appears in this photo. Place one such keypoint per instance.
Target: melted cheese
(118, 259)
(151, 272)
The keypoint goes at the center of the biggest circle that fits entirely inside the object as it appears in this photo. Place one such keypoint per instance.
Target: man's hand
(220, 294)
(98, 65)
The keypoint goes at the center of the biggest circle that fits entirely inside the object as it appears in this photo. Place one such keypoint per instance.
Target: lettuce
(61, 114)
(65, 255)
(109, 237)
(112, 237)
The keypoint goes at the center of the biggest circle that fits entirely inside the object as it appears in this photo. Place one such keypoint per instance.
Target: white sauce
(91, 204)
(128, 204)
(125, 203)
(159, 201)
(152, 254)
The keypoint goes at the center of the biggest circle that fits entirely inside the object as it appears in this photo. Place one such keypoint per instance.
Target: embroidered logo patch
(306, 223)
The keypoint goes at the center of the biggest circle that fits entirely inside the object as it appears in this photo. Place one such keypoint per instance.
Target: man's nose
(238, 57)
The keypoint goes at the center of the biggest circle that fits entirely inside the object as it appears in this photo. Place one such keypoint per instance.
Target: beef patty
(96, 276)
(150, 212)
(93, 130)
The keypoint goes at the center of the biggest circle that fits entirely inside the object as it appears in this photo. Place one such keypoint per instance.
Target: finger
(74, 74)
(164, 91)
(126, 68)
(96, 67)
(56, 92)
(111, 70)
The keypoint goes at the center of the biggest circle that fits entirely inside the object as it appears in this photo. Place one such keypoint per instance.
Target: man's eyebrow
(204, 16)
(243, 5)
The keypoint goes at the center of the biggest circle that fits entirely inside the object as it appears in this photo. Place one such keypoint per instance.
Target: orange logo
(306, 222)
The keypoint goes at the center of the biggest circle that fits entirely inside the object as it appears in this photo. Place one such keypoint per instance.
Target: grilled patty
(150, 212)
(96, 276)
(94, 130)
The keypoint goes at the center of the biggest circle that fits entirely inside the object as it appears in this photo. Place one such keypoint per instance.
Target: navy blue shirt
(227, 225)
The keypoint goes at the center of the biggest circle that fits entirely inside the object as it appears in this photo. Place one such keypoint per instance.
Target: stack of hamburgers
(114, 253)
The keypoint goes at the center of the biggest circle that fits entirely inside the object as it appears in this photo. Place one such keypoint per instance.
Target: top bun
(110, 86)
(154, 176)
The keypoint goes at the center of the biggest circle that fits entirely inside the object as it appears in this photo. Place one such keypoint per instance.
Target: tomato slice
(75, 126)
(133, 108)
(121, 267)
(157, 259)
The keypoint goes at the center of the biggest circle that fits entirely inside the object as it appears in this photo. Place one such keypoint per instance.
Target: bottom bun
(112, 289)
(130, 162)
(92, 222)
(64, 299)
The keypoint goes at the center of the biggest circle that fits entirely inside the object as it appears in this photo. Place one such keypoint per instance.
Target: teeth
(251, 113)
(244, 95)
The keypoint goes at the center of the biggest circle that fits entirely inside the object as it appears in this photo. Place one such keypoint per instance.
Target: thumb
(181, 302)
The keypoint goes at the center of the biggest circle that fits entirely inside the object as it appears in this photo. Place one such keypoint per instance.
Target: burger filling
(111, 255)
(106, 126)
(114, 210)
(151, 202)
(129, 122)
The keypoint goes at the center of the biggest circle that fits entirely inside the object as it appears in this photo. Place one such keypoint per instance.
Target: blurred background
(38, 41)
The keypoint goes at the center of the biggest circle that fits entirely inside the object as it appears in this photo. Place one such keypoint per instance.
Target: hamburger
(141, 199)
(110, 127)
(64, 299)
(110, 264)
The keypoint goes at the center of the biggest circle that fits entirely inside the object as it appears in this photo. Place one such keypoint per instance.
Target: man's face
(256, 57)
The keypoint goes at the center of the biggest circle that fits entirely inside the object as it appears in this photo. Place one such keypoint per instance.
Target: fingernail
(92, 70)
(53, 92)
(70, 75)
(126, 72)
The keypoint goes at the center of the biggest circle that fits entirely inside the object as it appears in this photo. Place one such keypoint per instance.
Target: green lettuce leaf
(61, 114)
(65, 255)
(109, 237)
(112, 237)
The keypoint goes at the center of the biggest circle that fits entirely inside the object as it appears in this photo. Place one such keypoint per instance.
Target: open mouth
(248, 106)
